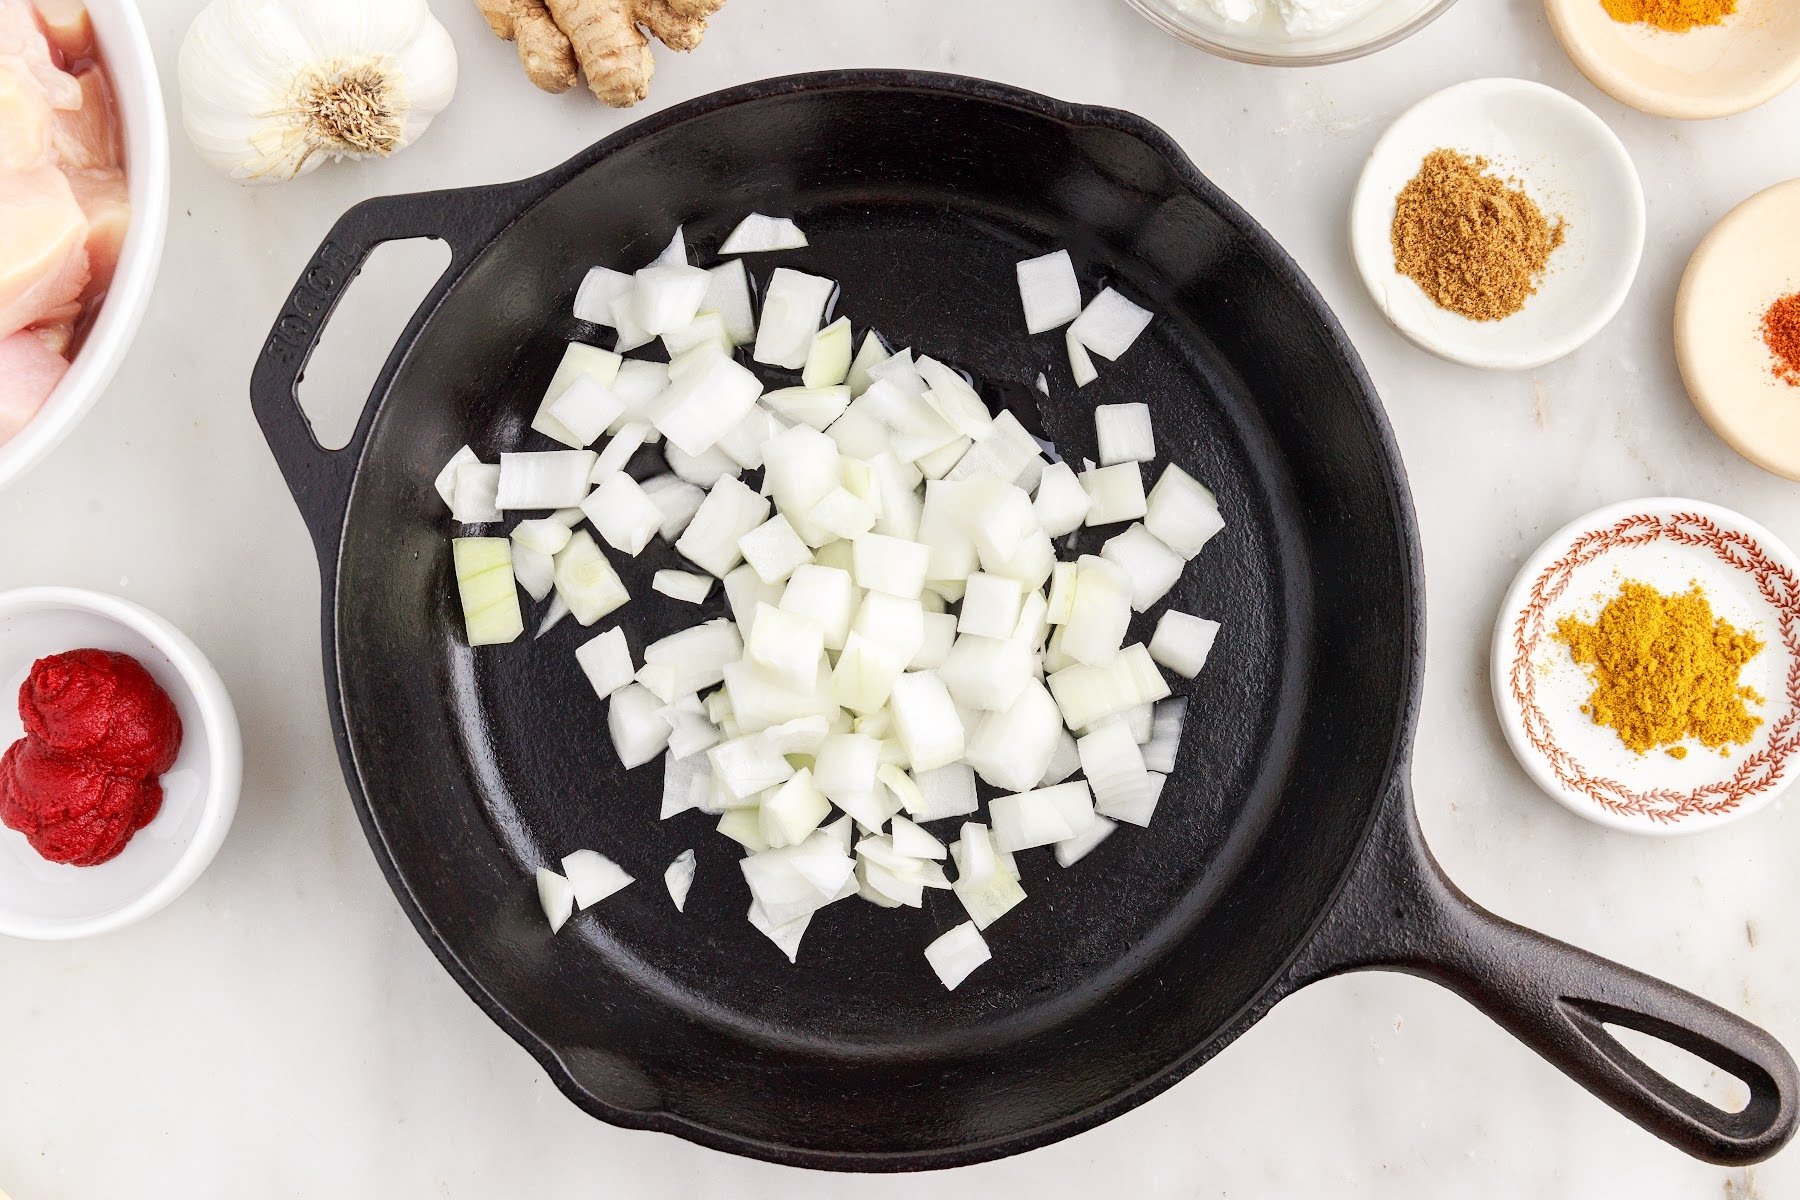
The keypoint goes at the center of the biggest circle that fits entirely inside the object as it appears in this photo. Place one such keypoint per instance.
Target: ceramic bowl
(1264, 42)
(125, 48)
(1750, 260)
(1751, 579)
(1568, 161)
(1708, 71)
(45, 900)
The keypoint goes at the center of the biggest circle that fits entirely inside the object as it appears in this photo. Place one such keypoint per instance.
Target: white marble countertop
(281, 1031)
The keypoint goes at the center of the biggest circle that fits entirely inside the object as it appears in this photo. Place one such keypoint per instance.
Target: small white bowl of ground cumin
(1499, 224)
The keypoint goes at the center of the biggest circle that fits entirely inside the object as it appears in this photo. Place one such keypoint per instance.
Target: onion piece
(729, 511)
(624, 516)
(793, 308)
(638, 385)
(1049, 292)
(675, 253)
(1165, 736)
(786, 937)
(1062, 503)
(668, 296)
(534, 570)
(1012, 749)
(865, 674)
(586, 581)
(1038, 818)
(1081, 364)
(1100, 614)
(701, 470)
(587, 410)
(728, 294)
(547, 535)
(606, 661)
(544, 479)
(748, 765)
(1065, 760)
(474, 494)
(1183, 642)
(599, 288)
(1116, 494)
(826, 595)
(705, 328)
(704, 404)
(914, 842)
(638, 733)
(1151, 567)
(889, 564)
(1072, 851)
(987, 900)
(486, 591)
(1124, 433)
(554, 612)
(687, 783)
(828, 358)
(925, 720)
(793, 810)
(845, 767)
(990, 606)
(631, 331)
(680, 877)
(1109, 324)
(759, 234)
(818, 407)
(578, 360)
(593, 877)
(1181, 513)
(617, 454)
(986, 673)
(698, 654)
(1140, 810)
(557, 898)
(1087, 695)
(684, 586)
(774, 550)
(743, 826)
(786, 645)
(445, 483)
(871, 353)
(956, 954)
(678, 501)
(1113, 764)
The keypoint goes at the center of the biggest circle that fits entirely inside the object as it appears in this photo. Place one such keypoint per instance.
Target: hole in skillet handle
(320, 478)
(370, 318)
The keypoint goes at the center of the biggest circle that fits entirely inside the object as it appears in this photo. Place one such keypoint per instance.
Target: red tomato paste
(99, 734)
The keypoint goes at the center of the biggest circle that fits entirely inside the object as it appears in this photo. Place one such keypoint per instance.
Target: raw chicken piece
(22, 39)
(29, 372)
(67, 24)
(25, 120)
(43, 247)
(103, 201)
(87, 138)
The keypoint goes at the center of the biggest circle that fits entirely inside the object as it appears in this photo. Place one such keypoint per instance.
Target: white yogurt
(1299, 18)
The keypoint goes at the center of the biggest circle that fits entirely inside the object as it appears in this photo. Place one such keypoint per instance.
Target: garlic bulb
(270, 89)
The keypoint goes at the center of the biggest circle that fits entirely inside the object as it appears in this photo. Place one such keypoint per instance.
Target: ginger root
(605, 37)
(544, 49)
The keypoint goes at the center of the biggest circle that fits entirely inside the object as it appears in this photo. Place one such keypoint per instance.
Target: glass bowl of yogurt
(1291, 33)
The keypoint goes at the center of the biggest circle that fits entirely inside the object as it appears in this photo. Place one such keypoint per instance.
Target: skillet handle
(320, 479)
(1399, 912)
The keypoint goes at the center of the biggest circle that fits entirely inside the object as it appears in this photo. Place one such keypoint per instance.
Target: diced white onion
(793, 309)
(445, 483)
(1072, 851)
(759, 234)
(1124, 433)
(1049, 292)
(638, 733)
(556, 897)
(679, 878)
(606, 661)
(1181, 513)
(1116, 493)
(625, 517)
(1109, 324)
(599, 288)
(1165, 734)
(474, 494)
(593, 877)
(956, 954)
(684, 586)
(1183, 642)
(1151, 567)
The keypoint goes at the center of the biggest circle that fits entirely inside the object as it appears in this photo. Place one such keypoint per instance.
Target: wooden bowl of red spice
(121, 767)
(1688, 59)
(1646, 666)
(1737, 329)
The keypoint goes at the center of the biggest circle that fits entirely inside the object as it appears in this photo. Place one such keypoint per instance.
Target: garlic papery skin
(272, 89)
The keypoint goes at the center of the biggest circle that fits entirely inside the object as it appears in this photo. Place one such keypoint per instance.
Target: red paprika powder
(1781, 330)
(99, 734)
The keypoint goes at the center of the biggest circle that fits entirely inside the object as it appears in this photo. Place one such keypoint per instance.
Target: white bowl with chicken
(84, 205)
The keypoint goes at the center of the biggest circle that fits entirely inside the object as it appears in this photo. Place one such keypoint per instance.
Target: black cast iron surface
(1285, 848)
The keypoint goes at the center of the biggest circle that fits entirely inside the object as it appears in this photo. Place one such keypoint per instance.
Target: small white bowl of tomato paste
(120, 763)
(84, 207)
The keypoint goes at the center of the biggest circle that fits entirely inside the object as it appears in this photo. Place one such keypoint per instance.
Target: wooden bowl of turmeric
(1646, 666)
(1689, 59)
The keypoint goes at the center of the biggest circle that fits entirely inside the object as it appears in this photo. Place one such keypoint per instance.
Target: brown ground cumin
(1476, 244)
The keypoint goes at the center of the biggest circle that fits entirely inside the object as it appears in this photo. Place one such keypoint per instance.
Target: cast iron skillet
(1286, 849)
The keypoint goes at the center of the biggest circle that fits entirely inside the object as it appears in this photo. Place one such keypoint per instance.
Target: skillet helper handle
(1399, 912)
(320, 479)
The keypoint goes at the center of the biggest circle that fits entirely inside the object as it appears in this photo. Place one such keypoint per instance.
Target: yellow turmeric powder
(1675, 16)
(1665, 669)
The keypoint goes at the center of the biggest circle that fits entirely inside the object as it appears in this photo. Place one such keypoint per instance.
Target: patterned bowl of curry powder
(1646, 666)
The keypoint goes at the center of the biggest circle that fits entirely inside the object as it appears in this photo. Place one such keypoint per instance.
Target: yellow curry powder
(1675, 16)
(1665, 669)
